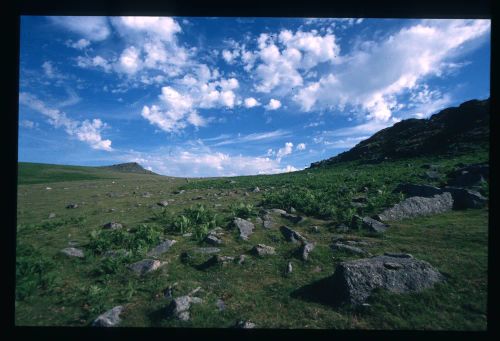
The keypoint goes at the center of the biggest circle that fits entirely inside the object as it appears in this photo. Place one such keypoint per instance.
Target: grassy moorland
(55, 290)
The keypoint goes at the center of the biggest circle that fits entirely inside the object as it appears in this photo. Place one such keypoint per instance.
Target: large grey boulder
(418, 206)
(244, 226)
(161, 248)
(354, 281)
(466, 198)
(73, 252)
(111, 318)
(145, 266)
(291, 235)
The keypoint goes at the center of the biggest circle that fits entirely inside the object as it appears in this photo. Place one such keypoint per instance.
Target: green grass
(54, 290)
(37, 173)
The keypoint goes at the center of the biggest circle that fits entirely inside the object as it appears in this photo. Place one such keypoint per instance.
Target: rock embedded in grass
(306, 249)
(205, 250)
(245, 227)
(292, 217)
(348, 248)
(163, 203)
(289, 268)
(263, 250)
(245, 324)
(217, 260)
(291, 235)
(213, 240)
(145, 266)
(256, 190)
(466, 198)
(73, 252)
(111, 318)
(418, 206)
(161, 248)
(112, 225)
(179, 307)
(52, 215)
(220, 304)
(72, 205)
(373, 225)
(354, 281)
(277, 211)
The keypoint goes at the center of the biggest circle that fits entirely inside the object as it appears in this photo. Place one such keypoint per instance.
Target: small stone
(348, 248)
(291, 235)
(72, 206)
(179, 307)
(73, 252)
(146, 195)
(245, 227)
(48, 188)
(289, 268)
(373, 225)
(111, 318)
(278, 211)
(113, 225)
(189, 234)
(206, 250)
(315, 229)
(145, 266)
(246, 194)
(52, 215)
(263, 250)
(292, 210)
(245, 325)
(293, 218)
(317, 269)
(161, 248)
(163, 203)
(241, 259)
(212, 239)
(256, 190)
(220, 304)
(306, 250)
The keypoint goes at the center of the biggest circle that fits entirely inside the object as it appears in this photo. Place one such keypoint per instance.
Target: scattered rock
(292, 210)
(220, 304)
(306, 250)
(216, 260)
(466, 198)
(179, 192)
(277, 211)
(433, 175)
(263, 250)
(268, 223)
(259, 220)
(246, 194)
(315, 229)
(72, 206)
(256, 190)
(241, 259)
(116, 253)
(161, 248)
(52, 215)
(354, 281)
(293, 218)
(212, 239)
(48, 188)
(111, 318)
(163, 203)
(374, 225)
(145, 266)
(114, 209)
(232, 182)
(291, 235)
(469, 175)
(289, 268)
(317, 269)
(146, 195)
(199, 197)
(245, 325)
(179, 307)
(342, 227)
(73, 252)
(418, 206)
(348, 248)
(112, 225)
(244, 226)
(206, 250)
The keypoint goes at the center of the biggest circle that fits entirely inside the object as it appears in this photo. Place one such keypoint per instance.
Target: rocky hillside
(129, 167)
(451, 131)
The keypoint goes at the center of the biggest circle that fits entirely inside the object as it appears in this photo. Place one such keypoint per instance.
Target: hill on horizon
(129, 167)
(451, 131)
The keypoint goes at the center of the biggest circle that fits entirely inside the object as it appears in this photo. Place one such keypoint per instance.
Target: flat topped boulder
(291, 235)
(161, 248)
(73, 252)
(111, 318)
(418, 206)
(354, 281)
(145, 266)
(244, 226)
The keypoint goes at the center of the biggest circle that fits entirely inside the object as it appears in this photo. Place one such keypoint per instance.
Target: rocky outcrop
(245, 227)
(418, 206)
(354, 281)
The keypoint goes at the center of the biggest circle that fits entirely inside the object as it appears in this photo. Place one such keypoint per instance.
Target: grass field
(54, 290)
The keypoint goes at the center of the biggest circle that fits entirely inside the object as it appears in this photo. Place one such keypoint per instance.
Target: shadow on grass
(320, 291)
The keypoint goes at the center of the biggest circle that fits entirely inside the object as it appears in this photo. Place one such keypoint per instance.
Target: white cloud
(251, 102)
(86, 131)
(347, 142)
(28, 124)
(129, 61)
(92, 28)
(273, 104)
(48, 69)
(205, 162)
(94, 62)
(375, 73)
(286, 150)
(163, 28)
(301, 146)
(79, 45)
(254, 137)
(230, 57)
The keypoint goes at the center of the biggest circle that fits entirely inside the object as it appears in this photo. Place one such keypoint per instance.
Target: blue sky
(234, 96)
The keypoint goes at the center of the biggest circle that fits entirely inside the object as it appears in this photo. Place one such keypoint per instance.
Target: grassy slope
(73, 293)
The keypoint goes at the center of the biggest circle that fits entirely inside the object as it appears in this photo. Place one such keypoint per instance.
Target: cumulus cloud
(286, 150)
(129, 61)
(94, 62)
(92, 28)
(230, 57)
(273, 104)
(28, 124)
(301, 146)
(205, 162)
(86, 131)
(163, 28)
(79, 45)
(375, 73)
(251, 102)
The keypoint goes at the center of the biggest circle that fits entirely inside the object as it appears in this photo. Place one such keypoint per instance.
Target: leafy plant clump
(243, 210)
(33, 271)
(197, 220)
